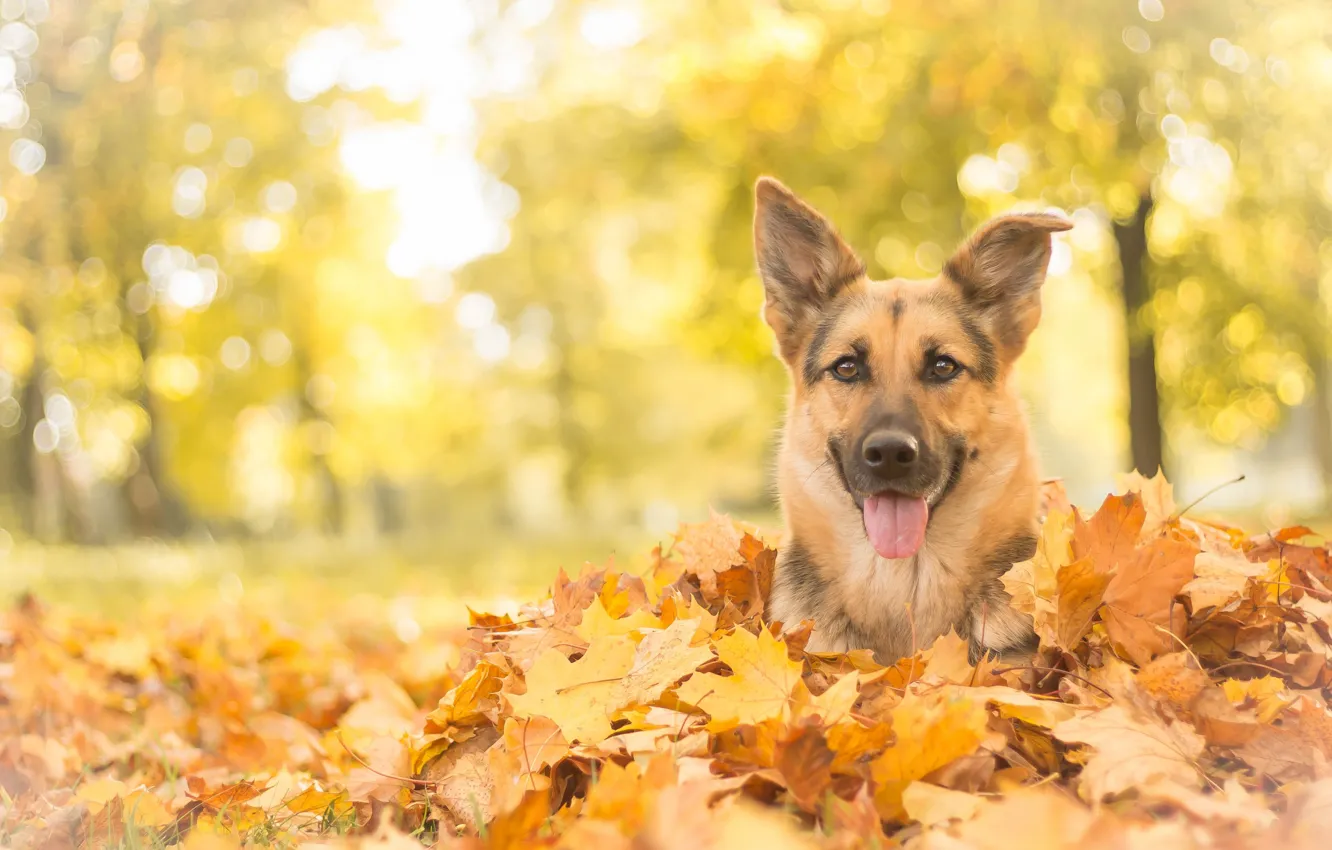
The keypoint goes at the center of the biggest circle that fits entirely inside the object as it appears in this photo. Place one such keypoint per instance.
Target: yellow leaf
(1132, 751)
(1033, 585)
(931, 731)
(576, 695)
(1220, 577)
(465, 705)
(317, 802)
(833, 705)
(1158, 499)
(1081, 588)
(708, 548)
(98, 792)
(949, 659)
(931, 805)
(662, 658)
(598, 623)
(537, 740)
(1018, 705)
(143, 808)
(462, 780)
(1268, 695)
(759, 688)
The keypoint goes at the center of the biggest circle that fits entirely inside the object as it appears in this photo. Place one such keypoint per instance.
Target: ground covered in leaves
(1179, 699)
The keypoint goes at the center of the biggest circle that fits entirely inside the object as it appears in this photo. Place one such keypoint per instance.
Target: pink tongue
(895, 524)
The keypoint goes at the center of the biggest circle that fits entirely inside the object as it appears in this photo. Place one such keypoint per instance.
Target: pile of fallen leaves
(1179, 699)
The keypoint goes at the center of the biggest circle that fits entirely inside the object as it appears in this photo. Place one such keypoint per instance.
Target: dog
(906, 475)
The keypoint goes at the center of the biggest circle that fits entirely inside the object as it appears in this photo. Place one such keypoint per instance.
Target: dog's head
(897, 383)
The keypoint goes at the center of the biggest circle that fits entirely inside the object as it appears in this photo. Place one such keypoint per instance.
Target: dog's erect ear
(1000, 270)
(802, 260)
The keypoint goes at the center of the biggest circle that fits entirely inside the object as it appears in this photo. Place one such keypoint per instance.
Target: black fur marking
(799, 577)
(813, 369)
(956, 455)
(986, 366)
(1019, 547)
(835, 287)
(975, 453)
(899, 307)
(1019, 653)
(953, 272)
(835, 458)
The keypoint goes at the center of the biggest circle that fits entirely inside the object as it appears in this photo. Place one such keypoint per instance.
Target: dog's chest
(901, 605)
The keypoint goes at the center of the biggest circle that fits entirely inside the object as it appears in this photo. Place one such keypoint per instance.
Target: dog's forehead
(881, 314)
(898, 294)
(895, 306)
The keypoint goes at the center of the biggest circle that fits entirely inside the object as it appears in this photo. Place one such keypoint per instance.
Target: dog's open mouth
(895, 522)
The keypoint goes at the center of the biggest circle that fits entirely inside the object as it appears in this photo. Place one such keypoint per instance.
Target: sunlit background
(453, 292)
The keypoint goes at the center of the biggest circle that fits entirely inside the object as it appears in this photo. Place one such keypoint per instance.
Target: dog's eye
(944, 367)
(846, 369)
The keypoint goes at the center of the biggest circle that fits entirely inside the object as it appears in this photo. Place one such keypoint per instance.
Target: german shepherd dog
(907, 478)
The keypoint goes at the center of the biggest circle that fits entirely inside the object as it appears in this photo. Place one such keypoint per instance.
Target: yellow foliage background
(468, 277)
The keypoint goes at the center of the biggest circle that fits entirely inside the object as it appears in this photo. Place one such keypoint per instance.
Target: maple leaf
(931, 730)
(387, 758)
(1158, 499)
(1220, 722)
(948, 659)
(670, 756)
(708, 548)
(1111, 536)
(538, 740)
(314, 801)
(832, 706)
(662, 658)
(1220, 577)
(598, 623)
(852, 741)
(805, 763)
(1139, 595)
(1080, 590)
(471, 702)
(462, 782)
(1054, 498)
(1018, 705)
(1033, 584)
(1046, 818)
(931, 805)
(759, 687)
(1131, 750)
(576, 695)
(1268, 696)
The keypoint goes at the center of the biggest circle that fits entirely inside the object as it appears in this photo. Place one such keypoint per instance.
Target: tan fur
(830, 573)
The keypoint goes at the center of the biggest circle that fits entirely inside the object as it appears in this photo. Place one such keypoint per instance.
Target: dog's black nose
(891, 454)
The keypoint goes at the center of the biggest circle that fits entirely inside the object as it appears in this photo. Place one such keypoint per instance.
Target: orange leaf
(805, 763)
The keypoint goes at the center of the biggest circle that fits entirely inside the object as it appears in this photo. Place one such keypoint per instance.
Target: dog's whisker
(816, 469)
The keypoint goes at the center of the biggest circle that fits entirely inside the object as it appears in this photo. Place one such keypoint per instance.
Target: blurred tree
(203, 324)
(162, 172)
(910, 123)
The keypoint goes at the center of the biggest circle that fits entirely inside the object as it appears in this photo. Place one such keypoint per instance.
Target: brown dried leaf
(1132, 750)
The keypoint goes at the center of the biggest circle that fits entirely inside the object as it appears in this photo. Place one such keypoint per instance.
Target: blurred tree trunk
(1144, 400)
(332, 503)
(154, 506)
(1319, 353)
(1322, 403)
(40, 503)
